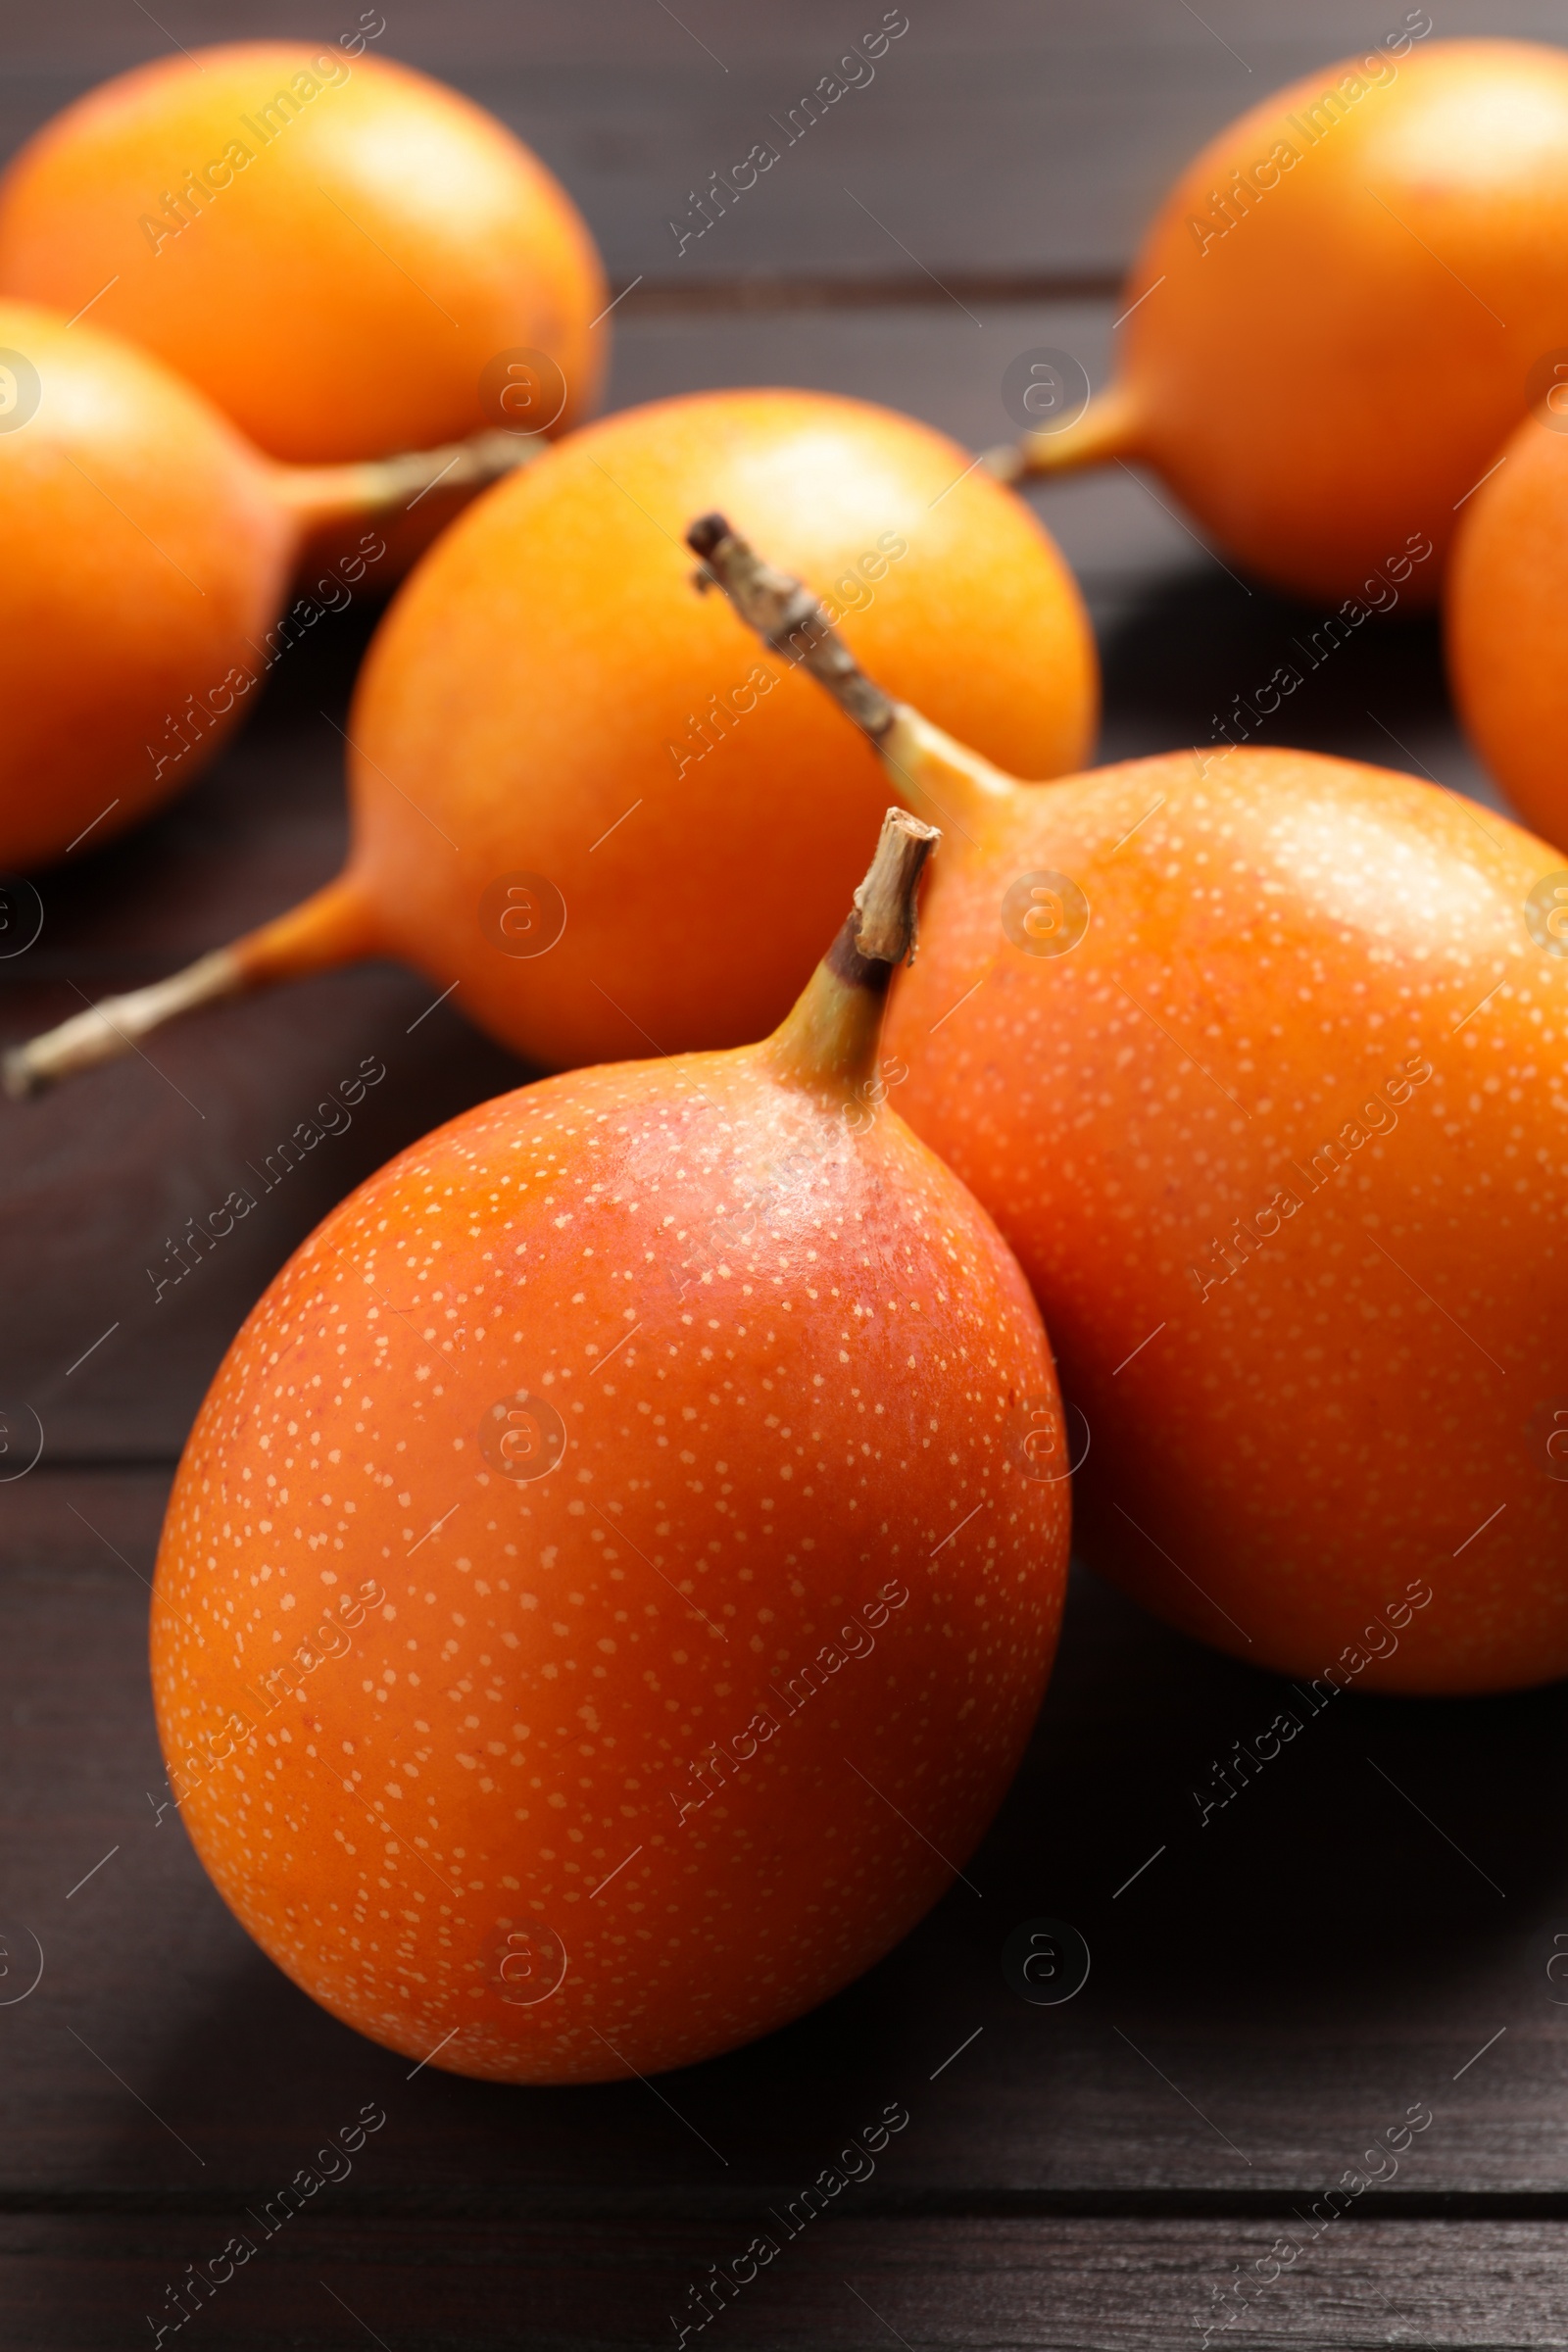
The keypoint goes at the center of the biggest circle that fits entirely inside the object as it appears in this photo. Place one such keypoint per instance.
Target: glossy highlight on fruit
(334, 248)
(1260, 1059)
(613, 1577)
(560, 762)
(148, 553)
(1343, 305)
(1505, 616)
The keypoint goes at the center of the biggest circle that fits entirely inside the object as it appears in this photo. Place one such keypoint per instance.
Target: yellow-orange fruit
(334, 248)
(548, 675)
(1506, 618)
(148, 547)
(147, 551)
(608, 1586)
(1343, 307)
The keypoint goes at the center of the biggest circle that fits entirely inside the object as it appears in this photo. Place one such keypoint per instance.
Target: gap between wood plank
(429, 2202)
(697, 297)
(85, 1465)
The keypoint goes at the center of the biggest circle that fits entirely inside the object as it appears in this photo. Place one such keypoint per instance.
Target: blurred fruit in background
(347, 257)
(148, 547)
(1338, 311)
(1507, 613)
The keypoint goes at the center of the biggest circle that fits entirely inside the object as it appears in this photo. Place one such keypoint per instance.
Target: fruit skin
(1507, 645)
(797, 1414)
(146, 558)
(1263, 954)
(1313, 384)
(273, 298)
(525, 689)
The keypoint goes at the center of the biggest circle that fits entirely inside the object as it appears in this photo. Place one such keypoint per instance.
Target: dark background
(1273, 1992)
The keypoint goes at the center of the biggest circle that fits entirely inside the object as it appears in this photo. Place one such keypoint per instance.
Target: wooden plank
(100, 1189)
(999, 138)
(1124, 2286)
(1269, 1992)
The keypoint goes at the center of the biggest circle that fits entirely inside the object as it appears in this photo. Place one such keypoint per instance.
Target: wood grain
(327, 2281)
(996, 137)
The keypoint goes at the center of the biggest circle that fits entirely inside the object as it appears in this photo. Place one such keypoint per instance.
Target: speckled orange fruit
(610, 1582)
(147, 551)
(1507, 617)
(1261, 1063)
(333, 247)
(1343, 305)
(1280, 1143)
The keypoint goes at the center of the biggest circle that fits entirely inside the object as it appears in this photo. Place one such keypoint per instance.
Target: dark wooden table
(1368, 1934)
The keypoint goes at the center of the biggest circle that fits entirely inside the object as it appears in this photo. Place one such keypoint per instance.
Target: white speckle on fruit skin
(1280, 939)
(850, 1359)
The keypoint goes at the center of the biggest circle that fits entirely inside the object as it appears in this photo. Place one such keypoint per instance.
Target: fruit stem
(321, 493)
(924, 765)
(831, 1033)
(335, 926)
(1107, 429)
(787, 617)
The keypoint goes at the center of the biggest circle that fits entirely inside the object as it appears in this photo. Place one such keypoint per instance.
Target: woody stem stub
(829, 1038)
(788, 619)
(881, 931)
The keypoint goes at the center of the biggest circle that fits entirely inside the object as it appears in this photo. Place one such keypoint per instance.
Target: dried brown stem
(787, 617)
(375, 485)
(332, 926)
(885, 900)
